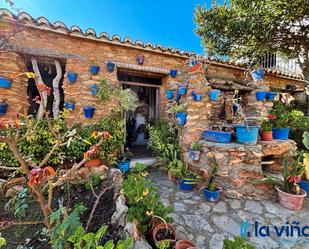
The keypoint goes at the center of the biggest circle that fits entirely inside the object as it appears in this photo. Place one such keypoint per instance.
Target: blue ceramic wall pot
(217, 136)
(72, 77)
(247, 134)
(305, 186)
(212, 196)
(281, 133)
(260, 95)
(214, 94)
(124, 166)
(194, 155)
(258, 74)
(181, 118)
(169, 94)
(173, 73)
(89, 111)
(3, 108)
(197, 97)
(140, 59)
(271, 96)
(94, 89)
(5, 83)
(69, 105)
(94, 69)
(186, 184)
(110, 66)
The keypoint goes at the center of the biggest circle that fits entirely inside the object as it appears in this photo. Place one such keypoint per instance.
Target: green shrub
(237, 243)
(143, 199)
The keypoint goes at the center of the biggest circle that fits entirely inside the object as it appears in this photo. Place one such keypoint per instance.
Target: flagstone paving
(208, 224)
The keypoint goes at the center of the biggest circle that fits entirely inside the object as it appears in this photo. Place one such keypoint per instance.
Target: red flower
(37, 176)
(272, 116)
(294, 179)
(37, 99)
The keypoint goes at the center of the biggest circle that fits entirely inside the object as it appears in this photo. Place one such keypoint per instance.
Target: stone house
(55, 50)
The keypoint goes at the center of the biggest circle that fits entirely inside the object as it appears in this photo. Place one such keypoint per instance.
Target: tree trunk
(56, 89)
(39, 79)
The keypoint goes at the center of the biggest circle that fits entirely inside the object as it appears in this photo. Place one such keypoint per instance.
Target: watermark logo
(257, 229)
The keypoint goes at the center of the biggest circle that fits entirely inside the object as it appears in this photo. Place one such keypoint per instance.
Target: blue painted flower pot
(194, 155)
(281, 133)
(173, 73)
(193, 63)
(94, 69)
(197, 97)
(182, 89)
(110, 66)
(247, 134)
(181, 118)
(186, 184)
(305, 186)
(5, 83)
(3, 108)
(72, 77)
(217, 136)
(258, 74)
(260, 95)
(69, 105)
(212, 196)
(271, 96)
(89, 111)
(169, 94)
(214, 94)
(94, 89)
(124, 166)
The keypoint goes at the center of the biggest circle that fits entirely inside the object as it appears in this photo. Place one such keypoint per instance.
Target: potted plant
(110, 66)
(164, 233)
(89, 111)
(185, 244)
(180, 113)
(173, 73)
(72, 77)
(5, 82)
(266, 133)
(211, 192)
(214, 94)
(195, 151)
(187, 179)
(124, 161)
(3, 107)
(290, 194)
(70, 103)
(304, 183)
(94, 89)
(94, 69)
(281, 121)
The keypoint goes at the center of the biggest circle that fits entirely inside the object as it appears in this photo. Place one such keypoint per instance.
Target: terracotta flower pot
(170, 176)
(185, 244)
(95, 162)
(164, 232)
(290, 201)
(266, 135)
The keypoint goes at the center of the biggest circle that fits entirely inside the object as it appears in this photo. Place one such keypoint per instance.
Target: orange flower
(37, 176)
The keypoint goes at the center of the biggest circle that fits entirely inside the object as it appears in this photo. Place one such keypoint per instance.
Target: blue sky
(166, 22)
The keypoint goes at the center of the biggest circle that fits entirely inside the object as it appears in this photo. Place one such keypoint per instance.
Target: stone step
(145, 160)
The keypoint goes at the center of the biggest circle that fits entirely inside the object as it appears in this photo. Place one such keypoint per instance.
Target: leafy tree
(248, 29)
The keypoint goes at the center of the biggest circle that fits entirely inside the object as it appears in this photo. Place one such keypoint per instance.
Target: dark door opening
(148, 91)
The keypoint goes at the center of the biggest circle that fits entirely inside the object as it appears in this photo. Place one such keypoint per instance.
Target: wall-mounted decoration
(70, 104)
(258, 74)
(181, 118)
(89, 111)
(110, 66)
(214, 94)
(173, 73)
(271, 96)
(94, 69)
(182, 88)
(3, 107)
(72, 77)
(5, 82)
(169, 94)
(140, 59)
(260, 95)
(94, 89)
(197, 97)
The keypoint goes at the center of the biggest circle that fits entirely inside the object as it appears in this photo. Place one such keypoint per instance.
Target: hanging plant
(104, 90)
(128, 100)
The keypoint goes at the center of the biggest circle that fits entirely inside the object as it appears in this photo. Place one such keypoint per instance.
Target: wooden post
(56, 89)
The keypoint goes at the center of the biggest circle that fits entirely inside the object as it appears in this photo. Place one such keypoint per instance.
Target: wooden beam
(139, 84)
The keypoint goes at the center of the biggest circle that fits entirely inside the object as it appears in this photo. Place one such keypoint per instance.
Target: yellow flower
(95, 134)
(149, 213)
(29, 75)
(146, 192)
(144, 174)
(138, 199)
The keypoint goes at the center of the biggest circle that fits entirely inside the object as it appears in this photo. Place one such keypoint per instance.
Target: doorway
(147, 89)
